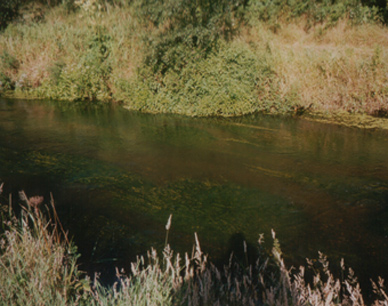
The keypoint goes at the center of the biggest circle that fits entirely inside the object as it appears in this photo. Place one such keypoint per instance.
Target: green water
(116, 176)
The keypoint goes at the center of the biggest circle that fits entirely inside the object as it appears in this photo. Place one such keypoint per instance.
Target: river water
(116, 176)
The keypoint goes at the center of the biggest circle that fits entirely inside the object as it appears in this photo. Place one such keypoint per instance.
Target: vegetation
(39, 266)
(201, 58)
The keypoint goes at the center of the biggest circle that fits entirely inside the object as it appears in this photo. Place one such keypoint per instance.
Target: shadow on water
(239, 250)
(117, 176)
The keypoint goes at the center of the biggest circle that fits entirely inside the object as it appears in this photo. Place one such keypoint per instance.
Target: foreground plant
(38, 266)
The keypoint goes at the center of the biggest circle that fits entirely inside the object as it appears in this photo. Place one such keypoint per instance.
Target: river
(116, 176)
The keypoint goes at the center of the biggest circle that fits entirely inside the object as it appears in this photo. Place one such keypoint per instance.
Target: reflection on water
(117, 176)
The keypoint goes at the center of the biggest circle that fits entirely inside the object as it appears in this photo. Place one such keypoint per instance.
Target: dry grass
(341, 68)
(63, 38)
(326, 69)
(38, 267)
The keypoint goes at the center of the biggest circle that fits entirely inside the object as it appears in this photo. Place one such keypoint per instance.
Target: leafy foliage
(5, 83)
(233, 81)
(8, 61)
(192, 67)
(188, 30)
(317, 11)
(172, 56)
(87, 79)
(9, 9)
(182, 13)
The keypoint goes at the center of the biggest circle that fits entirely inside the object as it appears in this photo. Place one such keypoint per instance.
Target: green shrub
(8, 61)
(182, 13)
(315, 12)
(8, 64)
(6, 83)
(185, 25)
(234, 81)
(85, 79)
(381, 5)
(189, 68)
(9, 10)
(173, 50)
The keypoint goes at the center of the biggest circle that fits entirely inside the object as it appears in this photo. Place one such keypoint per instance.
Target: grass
(39, 267)
(268, 56)
(341, 69)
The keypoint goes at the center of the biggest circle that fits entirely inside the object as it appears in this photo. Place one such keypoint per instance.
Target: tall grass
(339, 69)
(39, 267)
(225, 58)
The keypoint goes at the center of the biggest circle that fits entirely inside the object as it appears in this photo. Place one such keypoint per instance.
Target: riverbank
(319, 61)
(39, 266)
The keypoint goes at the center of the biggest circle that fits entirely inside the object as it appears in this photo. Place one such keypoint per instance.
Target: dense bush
(233, 81)
(7, 63)
(5, 83)
(85, 79)
(188, 30)
(188, 68)
(317, 11)
(382, 6)
(224, 57)
(9, 9)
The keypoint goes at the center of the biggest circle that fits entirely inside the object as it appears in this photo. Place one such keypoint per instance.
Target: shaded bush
(382, 6)
(5, 83)
(315, 12)
(233, 81)
(8, 61)
(9, 9)
(85, 79)
(187, 29)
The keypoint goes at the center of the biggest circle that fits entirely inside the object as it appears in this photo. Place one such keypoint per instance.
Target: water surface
(116, 176)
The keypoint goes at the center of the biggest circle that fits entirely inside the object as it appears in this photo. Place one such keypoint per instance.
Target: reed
(39, 266)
